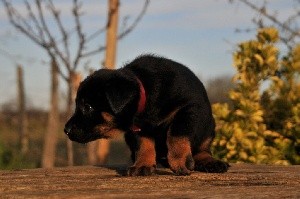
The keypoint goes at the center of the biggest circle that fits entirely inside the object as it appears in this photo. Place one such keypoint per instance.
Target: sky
(197, 33)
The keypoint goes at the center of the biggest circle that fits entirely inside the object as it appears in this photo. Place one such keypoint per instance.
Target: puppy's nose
(67, 129)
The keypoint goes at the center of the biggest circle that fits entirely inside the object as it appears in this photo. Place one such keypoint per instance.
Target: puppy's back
(168, 77)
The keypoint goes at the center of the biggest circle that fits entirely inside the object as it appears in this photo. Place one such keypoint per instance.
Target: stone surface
(242, 181)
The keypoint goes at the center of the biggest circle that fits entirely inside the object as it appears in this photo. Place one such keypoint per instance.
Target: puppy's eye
(87, 108)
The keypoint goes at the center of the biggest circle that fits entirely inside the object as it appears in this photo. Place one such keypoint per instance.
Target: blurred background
(245, 52)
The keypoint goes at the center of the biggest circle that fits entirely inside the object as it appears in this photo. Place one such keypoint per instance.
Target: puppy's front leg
(145, 163)
(179, 154)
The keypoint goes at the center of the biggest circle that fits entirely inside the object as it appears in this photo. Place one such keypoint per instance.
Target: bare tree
(289, 28)
(35, 26)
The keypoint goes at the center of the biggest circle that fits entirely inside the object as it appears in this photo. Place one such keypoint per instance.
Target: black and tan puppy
(160, 106)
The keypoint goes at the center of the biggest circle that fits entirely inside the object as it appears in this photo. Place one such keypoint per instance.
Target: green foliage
(7, 158)
(10, 159)
(261, 128)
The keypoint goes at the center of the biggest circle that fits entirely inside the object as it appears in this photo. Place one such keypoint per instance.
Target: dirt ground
(242, 181)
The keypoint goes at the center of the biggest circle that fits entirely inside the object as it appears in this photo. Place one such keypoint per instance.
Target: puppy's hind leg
(204, 161)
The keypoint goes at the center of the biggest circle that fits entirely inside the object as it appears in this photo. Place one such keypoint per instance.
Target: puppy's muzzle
(68, 129)
(72, 132)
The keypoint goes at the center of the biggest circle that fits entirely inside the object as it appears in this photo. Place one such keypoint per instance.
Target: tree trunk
(73, 85)
(110, 58)
(111, 34)
(92, 152)
(69, 114)
(50, 139)
(24, 140)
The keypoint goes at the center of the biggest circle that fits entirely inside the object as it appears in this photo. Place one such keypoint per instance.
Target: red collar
(141, 105)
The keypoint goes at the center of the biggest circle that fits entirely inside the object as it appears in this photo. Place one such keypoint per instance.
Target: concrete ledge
(242, 181)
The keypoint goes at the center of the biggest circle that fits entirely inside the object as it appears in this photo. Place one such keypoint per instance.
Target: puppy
(161, 107)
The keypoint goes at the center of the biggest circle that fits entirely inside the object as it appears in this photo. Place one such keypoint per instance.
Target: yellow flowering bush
(261, 127)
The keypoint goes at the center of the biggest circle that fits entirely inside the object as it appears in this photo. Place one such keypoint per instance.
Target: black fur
(176, 103)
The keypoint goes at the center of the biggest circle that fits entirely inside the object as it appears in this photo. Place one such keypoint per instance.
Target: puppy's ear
(120, 91)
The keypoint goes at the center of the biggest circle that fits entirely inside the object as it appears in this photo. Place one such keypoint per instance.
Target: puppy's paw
(141, 170)
(181, 171)
(182, 166)
(214, 166)
(189, 162)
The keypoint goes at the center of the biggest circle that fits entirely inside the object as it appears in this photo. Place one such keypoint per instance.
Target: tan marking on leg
(145, 159)
(203, 157)
(205, 146)
(179, 150)
(204, 154)
(146, 153)
(205, 162)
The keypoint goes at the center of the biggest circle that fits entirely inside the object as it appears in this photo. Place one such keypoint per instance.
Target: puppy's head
(105, 105)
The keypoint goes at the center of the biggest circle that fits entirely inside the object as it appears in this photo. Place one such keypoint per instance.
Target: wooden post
(92, 155)
(22, 112)
(75, 80)
(50, 139)
(110, 59)
(69, 110)
(111, 34)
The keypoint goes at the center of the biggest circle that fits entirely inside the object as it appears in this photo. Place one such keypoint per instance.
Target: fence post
(24, 142)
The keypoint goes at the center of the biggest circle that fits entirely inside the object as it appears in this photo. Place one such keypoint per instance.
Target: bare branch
(284, 40)
(53, 44)
(122, 34)
(37, 29)
(56, 15)
(290, 33)
(93, 52)
(53, 57)
(35, 21)
(97, 33)
(136, 21)
(264, 12)
(101, 30)
(43, 23)
(80, 34)
(20, 24)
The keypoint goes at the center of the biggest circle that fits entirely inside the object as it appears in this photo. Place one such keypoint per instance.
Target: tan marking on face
(146, 154)
(108, 118)
(107, 129)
